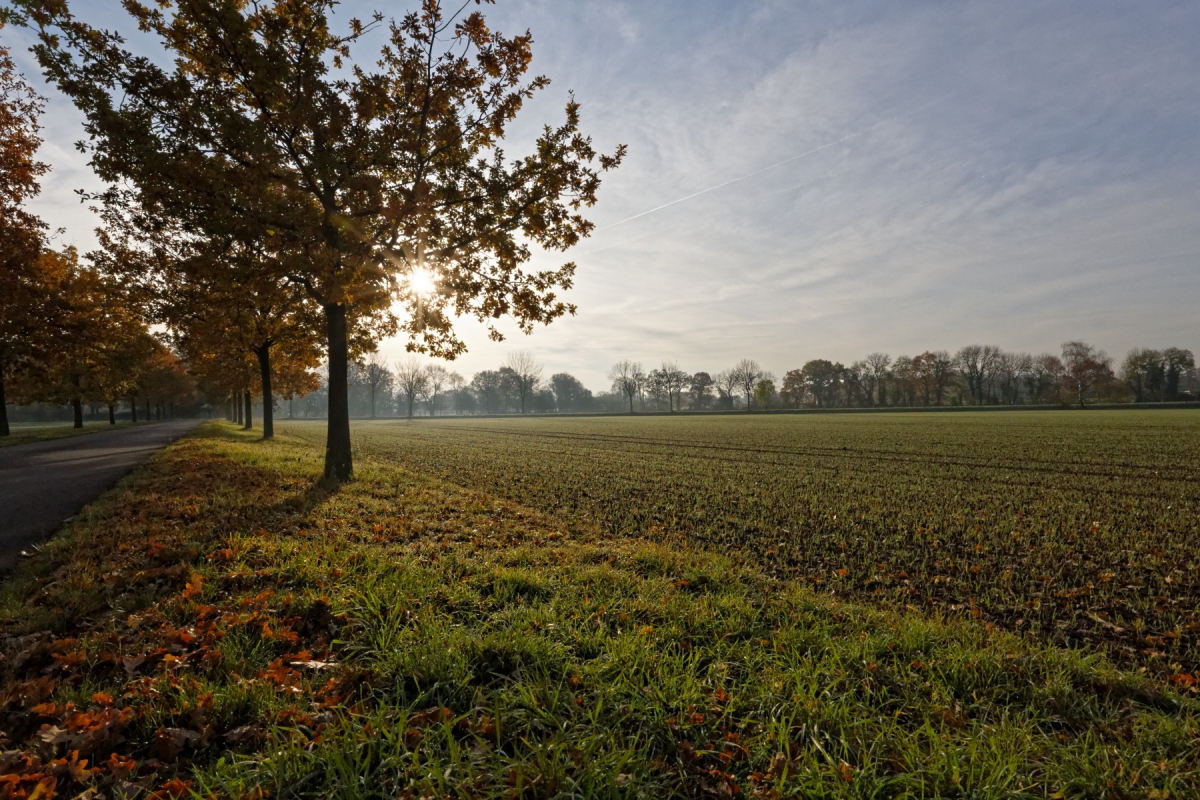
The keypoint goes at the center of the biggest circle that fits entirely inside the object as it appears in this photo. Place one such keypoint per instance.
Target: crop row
(1077, 528)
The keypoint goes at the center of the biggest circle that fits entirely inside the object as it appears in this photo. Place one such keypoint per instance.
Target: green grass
(228, 627)
(26, 432)
(1080, 527)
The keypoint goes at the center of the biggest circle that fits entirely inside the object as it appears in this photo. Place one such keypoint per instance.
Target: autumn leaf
(195, 586)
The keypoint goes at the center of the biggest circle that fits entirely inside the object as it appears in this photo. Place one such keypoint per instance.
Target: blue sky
(892, 176)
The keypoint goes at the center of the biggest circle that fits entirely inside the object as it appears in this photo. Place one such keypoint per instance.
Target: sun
(421, 282)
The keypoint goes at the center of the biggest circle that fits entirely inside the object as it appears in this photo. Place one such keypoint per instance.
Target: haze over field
(891, 176)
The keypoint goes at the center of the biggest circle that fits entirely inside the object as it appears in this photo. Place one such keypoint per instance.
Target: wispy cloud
(826, 179)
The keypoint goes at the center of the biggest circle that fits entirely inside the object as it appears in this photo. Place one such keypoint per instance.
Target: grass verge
(24, 434)
(220, 625)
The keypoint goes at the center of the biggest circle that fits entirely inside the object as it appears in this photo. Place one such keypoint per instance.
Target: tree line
(69, 333)
(976, 375)
(410, 388)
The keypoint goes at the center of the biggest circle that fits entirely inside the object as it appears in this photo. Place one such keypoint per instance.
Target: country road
(42, 484)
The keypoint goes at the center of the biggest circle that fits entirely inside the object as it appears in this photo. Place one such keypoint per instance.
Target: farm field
(224, 624)
(1077, 528)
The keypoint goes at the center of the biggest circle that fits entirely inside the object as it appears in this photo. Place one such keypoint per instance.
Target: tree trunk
(4, 430)
(249, 417)
(112, 413)
(264, 371)
(339, 461)
(77, 404)
(132, 409)
(148, 415)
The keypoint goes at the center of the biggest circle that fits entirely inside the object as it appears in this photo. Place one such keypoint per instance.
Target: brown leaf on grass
(100, 732)
(29, 693)
(173, 790)
(170, 742)
(423, 719)
(241, 735)
(194, 586)
(133, 663)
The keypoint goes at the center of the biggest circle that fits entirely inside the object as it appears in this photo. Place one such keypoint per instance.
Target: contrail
(805, 154)
(651, 233)
(727, 183)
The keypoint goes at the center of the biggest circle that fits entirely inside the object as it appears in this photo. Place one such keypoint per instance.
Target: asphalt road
(43, 484)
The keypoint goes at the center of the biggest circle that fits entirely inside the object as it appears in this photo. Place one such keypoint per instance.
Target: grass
(221, 625)
(1080, 528)
(24, 433)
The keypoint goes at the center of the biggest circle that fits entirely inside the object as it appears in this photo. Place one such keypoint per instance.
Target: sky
(828, 179)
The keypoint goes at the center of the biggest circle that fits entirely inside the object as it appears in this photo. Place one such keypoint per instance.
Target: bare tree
(1176, 362)
(978, 363)
(526, 372)
(456, 383)
(1011, 370)
(627, 378)
(747, 373)
(875, 376)
(1045, 377)
(674, 380)
(856, 381)
(412, 380)
(726, 382)
(437, 377)
(376, 376)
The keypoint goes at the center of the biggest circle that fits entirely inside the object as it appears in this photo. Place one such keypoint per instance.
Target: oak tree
(380, 183)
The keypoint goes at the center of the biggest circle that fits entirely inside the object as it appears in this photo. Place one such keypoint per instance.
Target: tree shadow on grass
(142, 540)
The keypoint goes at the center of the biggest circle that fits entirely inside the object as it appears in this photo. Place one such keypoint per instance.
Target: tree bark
(249, 417)
(264, 371)
(132, 409)
(112, 413)
(77, 404)
(4, 430)
(339, 461)
(148, 415)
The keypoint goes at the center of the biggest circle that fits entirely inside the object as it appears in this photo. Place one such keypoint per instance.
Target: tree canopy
(371, 185)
